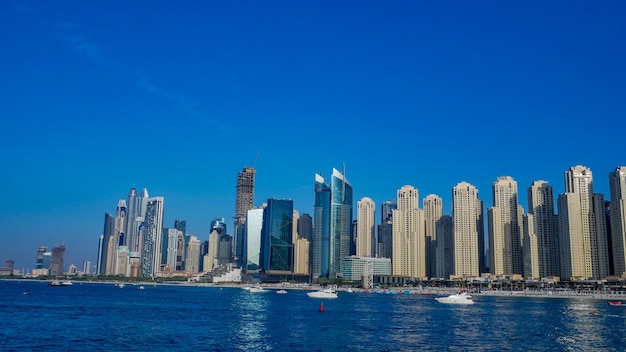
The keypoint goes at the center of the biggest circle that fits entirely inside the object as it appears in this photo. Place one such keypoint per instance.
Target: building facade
(244, 201)
(365, 228)
(409, 242)
(467, 218)
(505, 229)
(277, 236)
(617, 183)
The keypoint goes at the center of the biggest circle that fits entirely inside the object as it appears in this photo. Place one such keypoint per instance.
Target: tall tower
(617, 182)
(467, 229)
(582, 227)
(254, 226)
(433, 211)
(133, 210)
(445, 247)
(340, 221)
(276, 235)
(244, 202)
(57, 260)
(409, 252)
(386, 210)
(541, 242)
(505, 229)
(365, 233)
(321, 229)
(152, 237)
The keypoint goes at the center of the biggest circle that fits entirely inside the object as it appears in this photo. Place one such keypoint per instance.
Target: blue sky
(97, 97)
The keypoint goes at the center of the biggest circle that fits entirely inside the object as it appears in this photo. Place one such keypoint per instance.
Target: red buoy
(321, 307)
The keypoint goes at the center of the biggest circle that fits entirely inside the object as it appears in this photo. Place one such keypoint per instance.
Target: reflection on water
(250, 320)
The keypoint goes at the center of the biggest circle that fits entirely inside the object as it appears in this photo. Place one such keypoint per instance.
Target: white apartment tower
(365, 228)
(582, 228)
(505, 229)
(617, 182)
(467, 230)
(409, 252)
(192, 256)
(433, 211)
(541, 242)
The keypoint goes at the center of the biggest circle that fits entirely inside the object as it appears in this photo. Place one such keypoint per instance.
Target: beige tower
(617, 182)
(365, 240)
(582, 228)
(467, 229)
(505, 229)
(541, 246)
(301, 261)
(433, 211)
(409, 252)
(192, 256)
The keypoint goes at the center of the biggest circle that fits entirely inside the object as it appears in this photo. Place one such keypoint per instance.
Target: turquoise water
(103, 317)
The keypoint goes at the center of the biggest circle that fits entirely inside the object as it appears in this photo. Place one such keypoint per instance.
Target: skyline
(177, 99)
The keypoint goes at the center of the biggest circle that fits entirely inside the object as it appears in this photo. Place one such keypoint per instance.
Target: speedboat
(615, 303)
(281, 292)
(326, 293)
(257, 289)
(459, 298)
(60, 283)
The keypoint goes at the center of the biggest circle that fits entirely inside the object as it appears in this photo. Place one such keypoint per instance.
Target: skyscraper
(617, 182)
(321, 229)
(305, 227)
(387, 209)
(340, 221)
(541, 242)
(505, 229)
(152, 237)
(39, 262)
(582, 228)
(107, 251)
(276, 235)
(244, 202)
(385, 239)
(409, 251)
(468, 233)
(252, 253)
(57, 260)
(133, 211)
(192, 262)
(445, 247)
(433, 211)
(365, 232)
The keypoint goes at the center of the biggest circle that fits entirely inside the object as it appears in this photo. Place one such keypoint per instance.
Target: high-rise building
(340, 221)
(617, 182)
(409, 242)
(433, 211)
(108, 247)
(305, 227)
(254, 226)
(39, 262)
(386, 210)
(385, 239)
(582, 228)
(365, 229)
(192, 262)
(505, 229)
(87, 267)
(211, 259)
(181, 225)
(320, 258)
(467, 218)
(276, 236)
(57, 260)
(133, 211)
(152, 236)
(120, 222)
(445, 247)
(101, 256)
(244, 202)
(541, 242)
(175, 240)
(301, 254)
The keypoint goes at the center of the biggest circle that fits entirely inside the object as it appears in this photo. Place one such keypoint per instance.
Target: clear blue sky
(100, 96)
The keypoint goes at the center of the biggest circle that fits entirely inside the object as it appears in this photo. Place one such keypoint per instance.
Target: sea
(104, 317)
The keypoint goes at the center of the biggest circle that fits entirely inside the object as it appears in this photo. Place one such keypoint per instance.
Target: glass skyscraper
(333, 224)
(244, 202)
(276, 236)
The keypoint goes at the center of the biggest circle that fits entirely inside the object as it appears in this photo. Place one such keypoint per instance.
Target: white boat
(349, 290)
(257, 289)
(141, 288)
(247, 288)
(281, 292)
(60, 283)
(459, 298)
(326, 293)
(121, 285)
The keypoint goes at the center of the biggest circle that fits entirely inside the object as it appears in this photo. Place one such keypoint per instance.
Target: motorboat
(458, 298)
(60, 283)
(281, 292)
(349, 290)
(326, 293)
(141, 288)
(615, 303)
(257, 289)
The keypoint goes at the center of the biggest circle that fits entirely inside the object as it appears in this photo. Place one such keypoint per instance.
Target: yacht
(60, 283)
(459, 298)
(281, 292)
(326, 293)
(257, 289)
